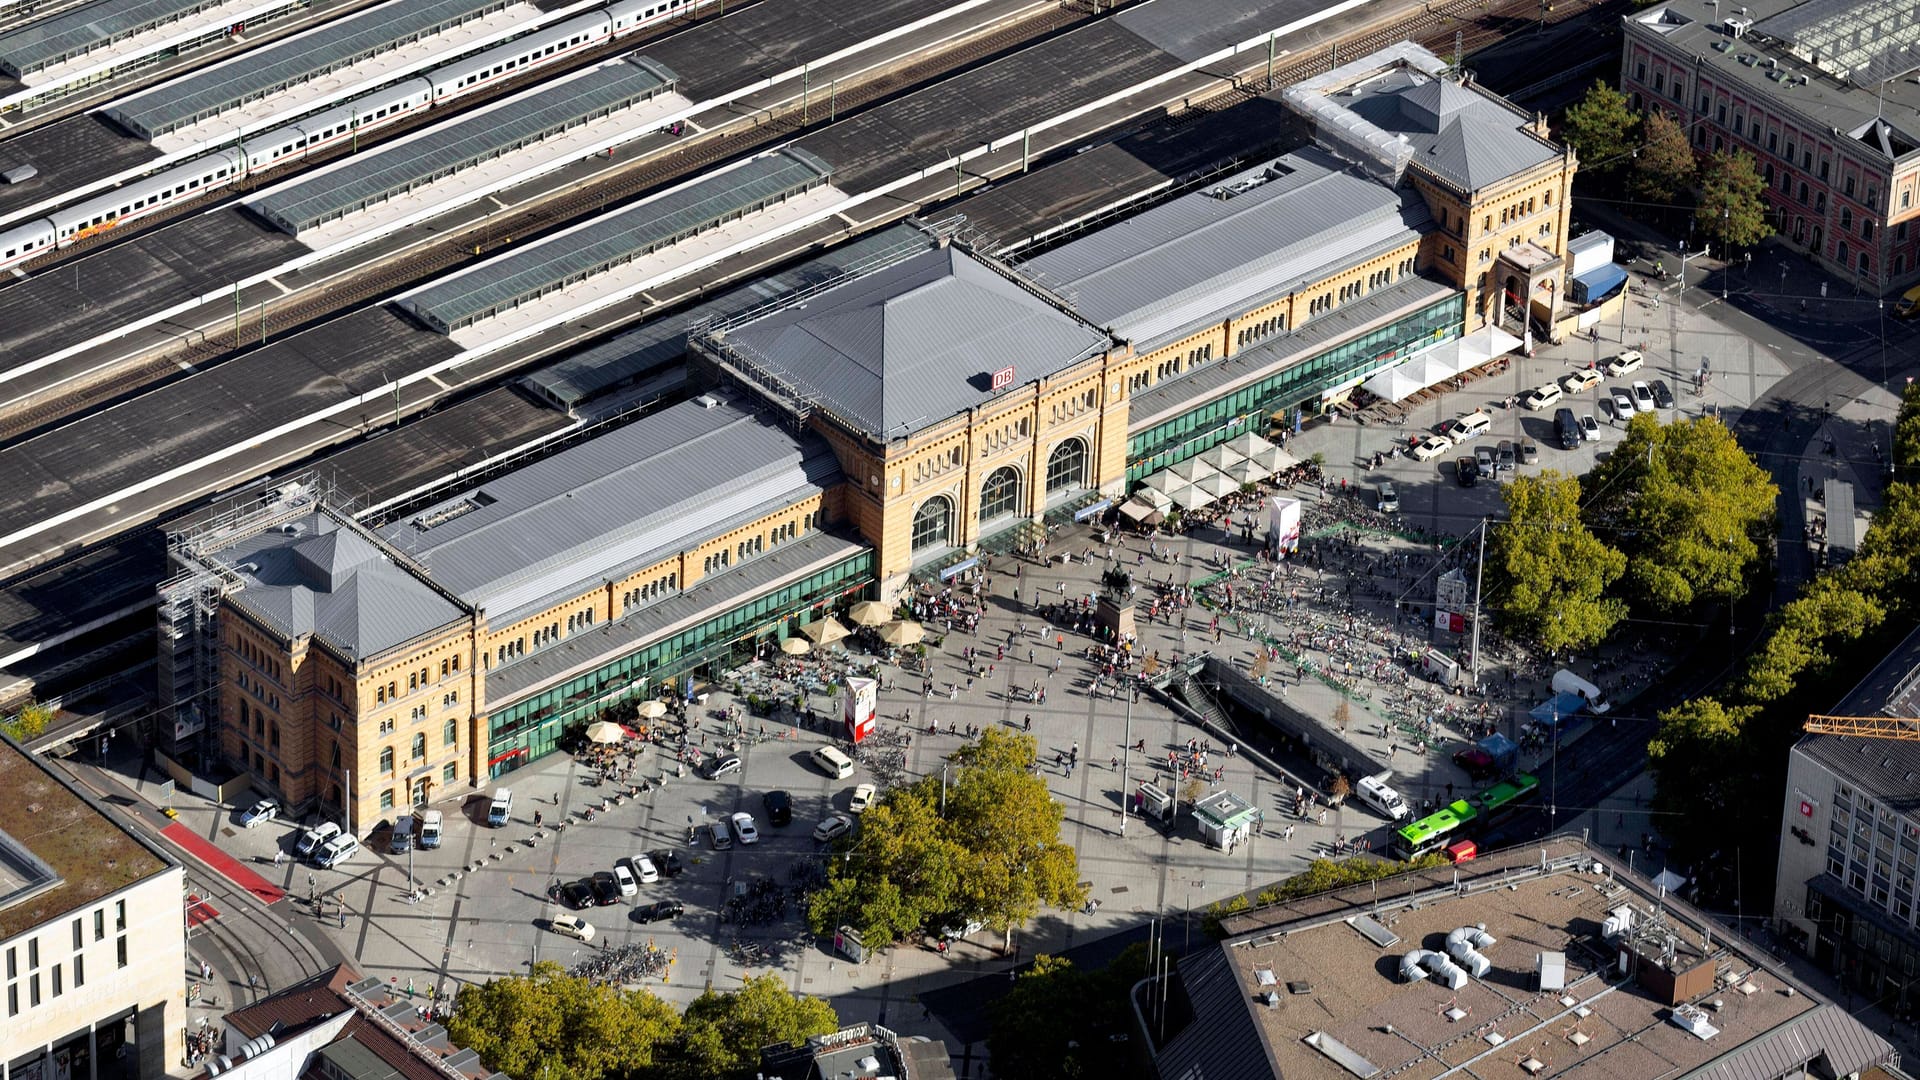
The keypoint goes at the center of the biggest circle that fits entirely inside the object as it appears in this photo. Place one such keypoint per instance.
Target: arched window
(1000, 495)
(933, 522)
(419, 746)
(1067, 466)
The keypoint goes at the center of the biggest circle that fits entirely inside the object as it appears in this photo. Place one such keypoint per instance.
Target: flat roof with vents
(572, 256)
(268, 70)
(375, 177)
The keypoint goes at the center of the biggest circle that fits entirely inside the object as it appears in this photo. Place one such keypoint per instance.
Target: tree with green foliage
(1057, 1021)
(551, 1025)
(1601, 128)
(722, 1034)
(994, 853)
(1664, 166)
(1732, 211)
(29, 722)
(1687, 505)
(1553, 579)
(1701, 758)
(1906, 435)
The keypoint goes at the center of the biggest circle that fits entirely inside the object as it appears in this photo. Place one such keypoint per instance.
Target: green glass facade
(530, 729)
(1296, 386)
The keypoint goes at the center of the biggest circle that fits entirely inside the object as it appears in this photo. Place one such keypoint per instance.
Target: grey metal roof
(708, 597)
(332, 582)
(552, 264)
(913, 343)
(612, 504)
(1459, 134)
(441, 151)
(84, 29)
(1870, 42)
(260, 72)
(1826, 1035)
(660, 342)
(1160, 275)
(1191, 29)
(1886, 769)
(1221, 1042)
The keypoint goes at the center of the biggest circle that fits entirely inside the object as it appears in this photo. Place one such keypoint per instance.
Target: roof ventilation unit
(1738, 25)
(1618, 922)
(708, 401)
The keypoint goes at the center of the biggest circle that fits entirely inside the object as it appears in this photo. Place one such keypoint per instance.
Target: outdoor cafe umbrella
(605, 731)
(794, 646)
(902, 633)
(653, 710)
(825, 631)
(870, 613)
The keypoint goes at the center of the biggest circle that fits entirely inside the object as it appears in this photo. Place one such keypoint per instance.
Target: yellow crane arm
(1869, 727)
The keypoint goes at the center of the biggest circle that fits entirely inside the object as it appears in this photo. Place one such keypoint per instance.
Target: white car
(833, 827)
(1579, 382)
(744, 828)
(1589, 428)
(336, 851)
(1622, 402)
(863, 796)
(311, 840)
(1430, 447)
(1544, 396)
(572, 926)
(644, 869)
(1642, 397)
(623, 878)
(1626, 363)
(259, 813)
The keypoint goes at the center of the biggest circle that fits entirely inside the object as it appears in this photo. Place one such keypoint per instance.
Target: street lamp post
(1126, 764)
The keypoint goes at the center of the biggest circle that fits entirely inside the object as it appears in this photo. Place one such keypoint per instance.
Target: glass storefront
(1298, 385)
(531, 729)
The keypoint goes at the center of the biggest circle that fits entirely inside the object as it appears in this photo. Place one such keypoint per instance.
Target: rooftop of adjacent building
(360, 1028)
(860, 1052)
(1843, 64)
(907, 344)
(1886, 769)
(527, 539)
(59, 850)
(1315, 988)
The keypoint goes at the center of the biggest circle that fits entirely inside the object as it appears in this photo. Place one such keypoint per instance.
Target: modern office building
(1850, 843)
(91, 935)
(1551, 960)
(1819, 93)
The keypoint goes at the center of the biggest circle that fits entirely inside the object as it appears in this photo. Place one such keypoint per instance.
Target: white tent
(1440, 363)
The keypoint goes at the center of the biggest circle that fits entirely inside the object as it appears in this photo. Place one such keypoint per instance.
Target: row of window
(1000, 495)
(1008, 434)
(258, 657)
(1075, 405)
(651, 591)
(24, 981)
(1253, 332)
(419, 789)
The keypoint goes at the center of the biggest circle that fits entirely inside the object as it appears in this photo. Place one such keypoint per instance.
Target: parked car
(723, 766)
(259, 813)
(1566, 428)
(1430, 447)
(625, 880)
(1622, 402)
(311, 840)
(1579, 382)
(577, 895)
(721, 836)
(1507, 458)
(833, 827)
(1389, 498)
(863, 795)
(1465, 471)
(1662, 394)
(572, 926)
(1477, 762)
(1544, 396)
(1529, 452)
(605, 889)
(744, 828)
(1589, 428)
(666, 862)
(1487, 458)
(659, 909)
(335, 851)
(644, 869)
(779, 808)
(1624, 364)
(1642, 397)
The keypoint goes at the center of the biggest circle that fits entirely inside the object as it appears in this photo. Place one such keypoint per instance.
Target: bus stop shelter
(1225, 819)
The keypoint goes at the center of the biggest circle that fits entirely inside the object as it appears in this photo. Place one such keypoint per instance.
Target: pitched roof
(1460, 134)
(291, 1008)
(914, 342)
(1887, 769)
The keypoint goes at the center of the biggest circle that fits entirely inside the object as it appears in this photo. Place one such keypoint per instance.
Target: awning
(1440, 363)
(1598, 284)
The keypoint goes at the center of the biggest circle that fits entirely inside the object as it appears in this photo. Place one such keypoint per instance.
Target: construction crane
(1868, 727)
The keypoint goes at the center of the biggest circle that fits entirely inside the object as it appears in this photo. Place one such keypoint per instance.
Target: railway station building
(891, 421)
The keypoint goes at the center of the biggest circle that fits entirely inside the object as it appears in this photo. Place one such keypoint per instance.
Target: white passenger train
(189, 180)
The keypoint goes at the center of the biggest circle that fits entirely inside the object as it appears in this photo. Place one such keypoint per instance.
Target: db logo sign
(1003, 378)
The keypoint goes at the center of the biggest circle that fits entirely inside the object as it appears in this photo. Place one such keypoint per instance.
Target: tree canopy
(1664, 166)
(995, 854)
(721, 1034)
(555, 1026)
(1056, 1021)
(32, 719)
(1600, 127)
(1687, 505)
(1732, 211)
(1553, 578)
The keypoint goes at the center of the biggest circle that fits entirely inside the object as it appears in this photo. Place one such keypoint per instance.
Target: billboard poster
(1283, 526)
(862, 697)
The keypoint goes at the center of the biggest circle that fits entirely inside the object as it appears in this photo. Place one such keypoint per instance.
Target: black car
(577, 894)
(605, 889)
(779, 808)
(1466, 471)
(659, 909)
(1662, 395)
(666, 862)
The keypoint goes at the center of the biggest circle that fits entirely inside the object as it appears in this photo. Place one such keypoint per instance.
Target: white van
(430, 822)
(336, 851)
(1469, 426)
(1566, 682)
(502, 809)
(833, 762)
(1375, 793)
